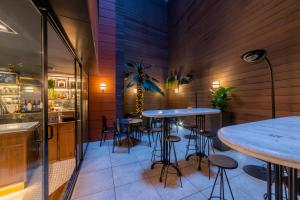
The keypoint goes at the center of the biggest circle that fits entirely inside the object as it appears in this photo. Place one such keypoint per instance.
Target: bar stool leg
(176, 164)
(169, 161)
(212, 191)
(228, 184)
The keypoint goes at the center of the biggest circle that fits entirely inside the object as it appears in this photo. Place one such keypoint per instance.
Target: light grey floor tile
(129, 173)
(197, 196)
(104, 195)
(243, 186)
(118, 159)
(140, 190)
(173, 191)
(93, 182)
(95, 163)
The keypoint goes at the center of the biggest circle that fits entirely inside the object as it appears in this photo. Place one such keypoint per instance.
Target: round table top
(179, 112)
(131, 121)
(274, 140)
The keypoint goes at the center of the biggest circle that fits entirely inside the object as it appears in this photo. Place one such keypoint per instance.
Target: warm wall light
(215, 84)
(176, 90)
(134, 90)
(102, 87)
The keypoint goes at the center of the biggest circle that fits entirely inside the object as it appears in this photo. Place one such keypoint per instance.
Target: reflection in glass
(21, 101)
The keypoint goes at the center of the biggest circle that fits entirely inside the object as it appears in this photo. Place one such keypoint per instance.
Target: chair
(105, 130)
(223, 163)
(145, 128)
(118, 133)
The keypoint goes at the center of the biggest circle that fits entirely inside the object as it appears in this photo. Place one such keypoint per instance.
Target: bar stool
(194, 137)
(171, 140)
(208, 144)
(223, 163)
(156, 133)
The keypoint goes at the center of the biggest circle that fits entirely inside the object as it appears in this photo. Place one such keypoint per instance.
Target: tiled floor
(118, 176)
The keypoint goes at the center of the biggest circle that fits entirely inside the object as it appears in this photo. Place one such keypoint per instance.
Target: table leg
(200, 123)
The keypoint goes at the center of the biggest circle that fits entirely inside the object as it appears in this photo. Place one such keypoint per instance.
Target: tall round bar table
(276, 141)
(165, 116)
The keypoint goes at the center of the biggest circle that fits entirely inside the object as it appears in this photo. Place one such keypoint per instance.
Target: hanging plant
(175, 80)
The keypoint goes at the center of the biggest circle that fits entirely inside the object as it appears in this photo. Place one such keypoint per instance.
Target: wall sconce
(102, 86)
(176, 90)
(215, 84)
(134, 90)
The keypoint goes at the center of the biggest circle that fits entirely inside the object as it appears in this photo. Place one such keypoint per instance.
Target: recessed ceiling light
(6, 29)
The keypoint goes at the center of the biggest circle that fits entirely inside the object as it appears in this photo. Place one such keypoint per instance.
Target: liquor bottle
(29, 106)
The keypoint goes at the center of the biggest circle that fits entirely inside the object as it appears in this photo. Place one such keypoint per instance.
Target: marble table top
(274, 140)
(17, 127)
(179, 112)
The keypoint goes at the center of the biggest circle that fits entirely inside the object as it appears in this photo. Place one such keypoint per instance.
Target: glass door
(62, 115)
(21, 101)
(78, 111)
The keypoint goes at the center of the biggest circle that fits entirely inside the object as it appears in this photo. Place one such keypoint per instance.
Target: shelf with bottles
(9, 98)
(30, 105)
(61, 87)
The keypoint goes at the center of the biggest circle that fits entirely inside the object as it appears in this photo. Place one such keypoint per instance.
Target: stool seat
(223, 161)
(173, 138)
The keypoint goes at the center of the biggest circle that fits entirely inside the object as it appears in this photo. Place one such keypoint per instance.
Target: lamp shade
(255, 56)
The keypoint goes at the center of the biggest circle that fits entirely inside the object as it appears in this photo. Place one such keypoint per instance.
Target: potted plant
(220, 100)
(136, 74)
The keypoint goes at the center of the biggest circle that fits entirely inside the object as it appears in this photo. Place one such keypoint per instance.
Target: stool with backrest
(119, 132)
(223, 163)
(105, 130)
(145, 128)
(192, 138)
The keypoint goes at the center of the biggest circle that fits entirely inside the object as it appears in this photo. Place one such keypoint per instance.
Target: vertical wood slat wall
(141, 35)
(207, 38)
(103, 103)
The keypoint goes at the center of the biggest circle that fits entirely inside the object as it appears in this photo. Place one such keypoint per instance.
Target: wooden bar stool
(223, 163)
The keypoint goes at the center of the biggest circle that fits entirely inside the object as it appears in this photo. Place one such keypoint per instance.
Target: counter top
(180, 112)
(274, 140)
(17, 127)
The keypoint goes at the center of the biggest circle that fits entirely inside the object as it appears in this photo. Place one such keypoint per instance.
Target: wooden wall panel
(207, 39)
(103, 103)
(141, 34)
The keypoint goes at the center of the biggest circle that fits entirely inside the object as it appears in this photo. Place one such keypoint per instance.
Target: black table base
(165, 149)
(200, 123)
(275, 175)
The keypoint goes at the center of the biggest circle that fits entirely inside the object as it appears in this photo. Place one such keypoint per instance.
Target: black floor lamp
(255, 57)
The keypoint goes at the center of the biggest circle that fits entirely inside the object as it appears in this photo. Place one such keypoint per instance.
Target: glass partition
(21, 101)
(62, 90)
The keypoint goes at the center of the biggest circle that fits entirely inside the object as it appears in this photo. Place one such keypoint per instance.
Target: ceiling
(24, 50)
